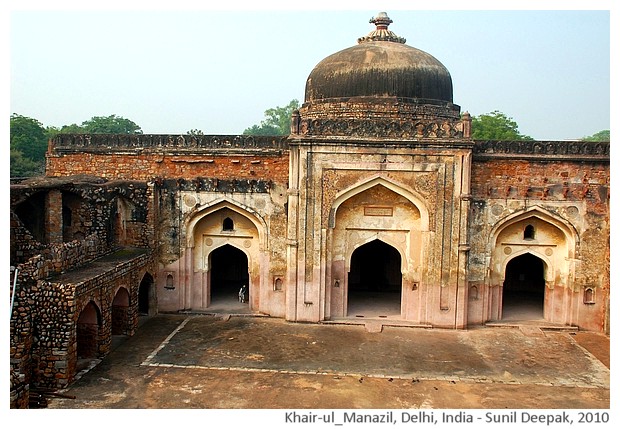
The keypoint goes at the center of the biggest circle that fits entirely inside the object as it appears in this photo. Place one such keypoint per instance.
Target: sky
(171, 69)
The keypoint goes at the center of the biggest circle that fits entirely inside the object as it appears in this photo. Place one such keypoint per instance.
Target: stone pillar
(53, 216)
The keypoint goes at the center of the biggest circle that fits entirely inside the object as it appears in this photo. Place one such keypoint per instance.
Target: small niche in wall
(473, 293)
(277, 284)
(169, 281)
(529, 232)
(228, 224)
(588, 295)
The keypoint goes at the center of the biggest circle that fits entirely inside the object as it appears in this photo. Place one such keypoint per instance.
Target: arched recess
(75, 215)
(31, 212)
(374, 284)
(523, 288)
(200, 213)
(88, 331)
(221, 223)
(147, 303)
(377, 209)
(122, 222)
(548, 238)
(415, 199)
(229, 275)
(121, 322)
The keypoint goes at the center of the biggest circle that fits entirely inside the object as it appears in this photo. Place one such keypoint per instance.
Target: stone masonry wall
(51, 306)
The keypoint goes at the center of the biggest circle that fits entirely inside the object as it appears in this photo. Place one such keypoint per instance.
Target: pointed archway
(375, 281)
(145, 296)
(121, 323)
(523, 294)
(87, 332)
(229, 274)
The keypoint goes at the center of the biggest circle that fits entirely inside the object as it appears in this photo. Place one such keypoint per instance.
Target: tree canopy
(277, 121)
(601, 136)
(29, 139)
(28, 144)
(103, 125)
(495, 126)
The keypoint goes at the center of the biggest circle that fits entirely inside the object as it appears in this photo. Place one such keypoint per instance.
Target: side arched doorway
(146, 305)
(228, 274)
(375, 281)
(523, 295)
(121, 324)
(87, 332)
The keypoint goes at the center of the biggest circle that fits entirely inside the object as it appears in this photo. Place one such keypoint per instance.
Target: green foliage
(277, 121)
(495, 126)
(103, 125)
(195, 132)
(601, 136)
(28, 145)
(24, 167)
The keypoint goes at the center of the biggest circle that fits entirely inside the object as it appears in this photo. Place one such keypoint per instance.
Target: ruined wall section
(48, 302)
(568, 180)
(29, 300)
(82, 206)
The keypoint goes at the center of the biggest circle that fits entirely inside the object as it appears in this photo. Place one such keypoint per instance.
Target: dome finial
(382, 21)
(381, 33)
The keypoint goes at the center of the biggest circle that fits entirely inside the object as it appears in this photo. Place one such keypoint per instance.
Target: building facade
(377, 205)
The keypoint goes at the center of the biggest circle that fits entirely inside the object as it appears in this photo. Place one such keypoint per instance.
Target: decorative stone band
(410, 129)
(202, 184)
(554, 150)
(85, 142)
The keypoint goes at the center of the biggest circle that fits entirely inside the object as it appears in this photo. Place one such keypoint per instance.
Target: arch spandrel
(202, 212)
(415, 199)
(555, 243)
(569, 231)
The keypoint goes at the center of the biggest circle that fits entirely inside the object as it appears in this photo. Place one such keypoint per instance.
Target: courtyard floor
(180, 361)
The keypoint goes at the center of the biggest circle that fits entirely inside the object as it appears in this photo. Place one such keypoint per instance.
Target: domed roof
(380, 65)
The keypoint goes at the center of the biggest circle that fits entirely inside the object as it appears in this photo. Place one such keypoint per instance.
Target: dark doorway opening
(524, 289)
(229, 273)
(375, 281)
(144, 295)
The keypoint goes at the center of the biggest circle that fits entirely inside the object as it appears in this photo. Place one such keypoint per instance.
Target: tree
(103, 125)
(277, 121)
(495, 126)
(28, 145)
(601, 136)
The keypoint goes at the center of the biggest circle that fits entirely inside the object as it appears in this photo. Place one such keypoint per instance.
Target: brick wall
(144, 157)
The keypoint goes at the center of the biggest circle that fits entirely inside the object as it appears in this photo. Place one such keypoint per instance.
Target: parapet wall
(144, 157)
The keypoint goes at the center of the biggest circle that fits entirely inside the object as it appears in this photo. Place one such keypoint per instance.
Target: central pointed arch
(375, 281)
(360, 187)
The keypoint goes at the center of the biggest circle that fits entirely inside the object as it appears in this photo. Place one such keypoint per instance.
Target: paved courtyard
(221, 362)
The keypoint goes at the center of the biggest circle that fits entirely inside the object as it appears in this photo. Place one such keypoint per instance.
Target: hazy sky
(219, 70)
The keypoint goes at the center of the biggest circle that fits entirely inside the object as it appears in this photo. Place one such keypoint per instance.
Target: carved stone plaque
(378, 211)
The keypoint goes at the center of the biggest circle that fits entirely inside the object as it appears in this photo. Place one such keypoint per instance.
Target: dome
(381, 65)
